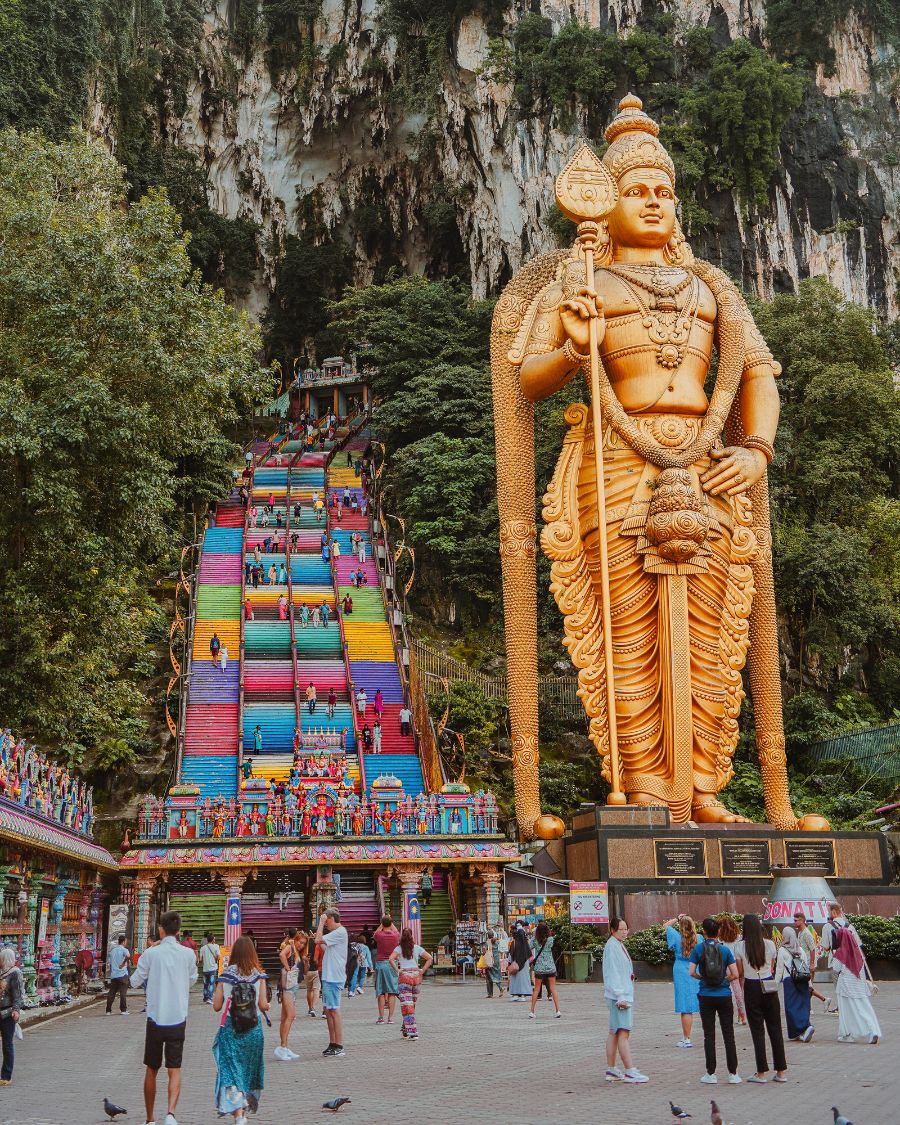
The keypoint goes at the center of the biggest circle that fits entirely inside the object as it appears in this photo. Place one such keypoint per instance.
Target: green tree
(121, 376)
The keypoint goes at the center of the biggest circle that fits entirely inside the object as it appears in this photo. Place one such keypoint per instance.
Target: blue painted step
(404, 766)
(224, 540)
(214, 774)
(276, 721)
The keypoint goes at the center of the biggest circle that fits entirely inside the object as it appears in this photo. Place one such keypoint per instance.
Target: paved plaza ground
(477, 1060)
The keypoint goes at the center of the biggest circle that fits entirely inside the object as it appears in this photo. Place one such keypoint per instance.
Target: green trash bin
(578, 965)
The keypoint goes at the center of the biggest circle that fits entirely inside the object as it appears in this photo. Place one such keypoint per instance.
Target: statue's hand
(736, 471)
(576, 315)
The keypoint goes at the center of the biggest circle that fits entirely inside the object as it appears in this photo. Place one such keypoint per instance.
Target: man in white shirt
(168, 970)
(209, 964)
(119, 957)
(332, 936)
(405, 720)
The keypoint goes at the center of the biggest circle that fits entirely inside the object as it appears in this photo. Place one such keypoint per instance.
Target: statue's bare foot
(707, 810)
(813, 823)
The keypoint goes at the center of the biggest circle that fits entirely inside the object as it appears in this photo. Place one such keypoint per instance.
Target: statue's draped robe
(680, 629)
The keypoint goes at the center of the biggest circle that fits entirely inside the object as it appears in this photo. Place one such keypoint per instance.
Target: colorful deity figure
(387, 820)
(286, 822)
(218, 823)
(183, 824)
(456, 824)
(270, 823)
(357, 822)
(306, 822)
(421, 819)
(255, 819)
(241, 827)
(321, 821)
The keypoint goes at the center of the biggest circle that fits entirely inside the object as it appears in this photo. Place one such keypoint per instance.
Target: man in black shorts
(168, 969)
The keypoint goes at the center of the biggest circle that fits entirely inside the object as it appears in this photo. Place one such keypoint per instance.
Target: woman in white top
(856, 1016)
(238, 1050)
(618, 988)
(407, 960)
(792, 969)
(755, 956)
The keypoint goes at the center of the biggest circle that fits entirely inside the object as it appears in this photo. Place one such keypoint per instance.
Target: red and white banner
(782, 911)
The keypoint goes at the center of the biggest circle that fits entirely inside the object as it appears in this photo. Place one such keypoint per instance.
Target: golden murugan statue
(662, 565)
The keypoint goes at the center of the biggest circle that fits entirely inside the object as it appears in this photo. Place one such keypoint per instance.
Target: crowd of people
(721, 971)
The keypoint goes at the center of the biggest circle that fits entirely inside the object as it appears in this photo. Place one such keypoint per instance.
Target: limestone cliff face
(834, 207)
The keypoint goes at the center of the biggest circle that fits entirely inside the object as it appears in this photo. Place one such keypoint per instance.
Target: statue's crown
(633, 142)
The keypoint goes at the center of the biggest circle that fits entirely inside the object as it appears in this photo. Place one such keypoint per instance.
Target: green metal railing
(876, 750)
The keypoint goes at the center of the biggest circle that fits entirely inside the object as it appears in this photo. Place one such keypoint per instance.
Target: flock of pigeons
(715, 1114)
(715, 1117)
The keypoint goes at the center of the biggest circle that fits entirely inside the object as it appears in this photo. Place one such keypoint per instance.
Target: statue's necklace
(667, 326)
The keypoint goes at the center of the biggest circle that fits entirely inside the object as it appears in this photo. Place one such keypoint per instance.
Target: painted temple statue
(661, 563)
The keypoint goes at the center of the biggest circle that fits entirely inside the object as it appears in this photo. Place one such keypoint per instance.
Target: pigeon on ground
(112, 1110)
(839, 1118)
(715, 1116)
(335, 1104)
(678, 1113)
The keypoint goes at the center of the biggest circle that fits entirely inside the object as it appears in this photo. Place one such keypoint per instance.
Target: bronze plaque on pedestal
(811, 853)
(680, 859)
(745, 859)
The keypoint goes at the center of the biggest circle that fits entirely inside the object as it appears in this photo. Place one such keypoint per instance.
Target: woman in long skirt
(681, 937)
(856, 1016)
(797, 998)
(492, 972)
(239, 1054)
(520, 956)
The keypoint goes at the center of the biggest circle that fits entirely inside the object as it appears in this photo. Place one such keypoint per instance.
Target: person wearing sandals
(618, 990)
(238, 1046)
(756, 957)
(544, 966)
(853, 982)
(386, 939)
(491, 959)
(406, 960)
(792, 969)
(681, 937)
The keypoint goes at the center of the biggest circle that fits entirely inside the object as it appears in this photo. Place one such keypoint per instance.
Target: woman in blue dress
(681, 937)
(239, 1052)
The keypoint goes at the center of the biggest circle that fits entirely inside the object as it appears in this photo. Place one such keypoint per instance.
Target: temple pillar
(410, 883)
(492, 881)
(57, 907)
(29, 917)
(336, 403)
(233, 882)
(324, 893)
(144, 885)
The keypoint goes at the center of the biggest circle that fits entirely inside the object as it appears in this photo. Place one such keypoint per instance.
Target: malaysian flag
(414, 917)
(232, 921)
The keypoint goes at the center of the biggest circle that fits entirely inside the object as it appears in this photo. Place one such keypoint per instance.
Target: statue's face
(644, 217)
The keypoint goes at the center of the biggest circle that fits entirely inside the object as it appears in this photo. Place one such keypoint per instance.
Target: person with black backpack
(240, 996)
(713, 964)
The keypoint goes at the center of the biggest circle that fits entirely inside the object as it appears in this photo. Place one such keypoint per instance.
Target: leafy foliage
(121, 377)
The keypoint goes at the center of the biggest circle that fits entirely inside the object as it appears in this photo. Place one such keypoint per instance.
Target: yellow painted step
(369, 640)
(229, 634)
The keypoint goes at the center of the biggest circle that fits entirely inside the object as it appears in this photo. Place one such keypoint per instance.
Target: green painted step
(318, 642)
(267, 639)
(199, 913)
(437, 919)
(218, 603)
(368, 604)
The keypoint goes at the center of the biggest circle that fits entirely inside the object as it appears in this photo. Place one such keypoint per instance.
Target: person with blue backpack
(713, 964)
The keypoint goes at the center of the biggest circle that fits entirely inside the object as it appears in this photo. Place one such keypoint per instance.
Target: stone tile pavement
(477, 1060)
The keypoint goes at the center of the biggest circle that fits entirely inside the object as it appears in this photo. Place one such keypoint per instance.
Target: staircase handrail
(339, 615)
(295, 664)
(189, 625)
(242, 635)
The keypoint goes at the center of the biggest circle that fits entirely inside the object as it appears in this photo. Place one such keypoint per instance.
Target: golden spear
(585, 192)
